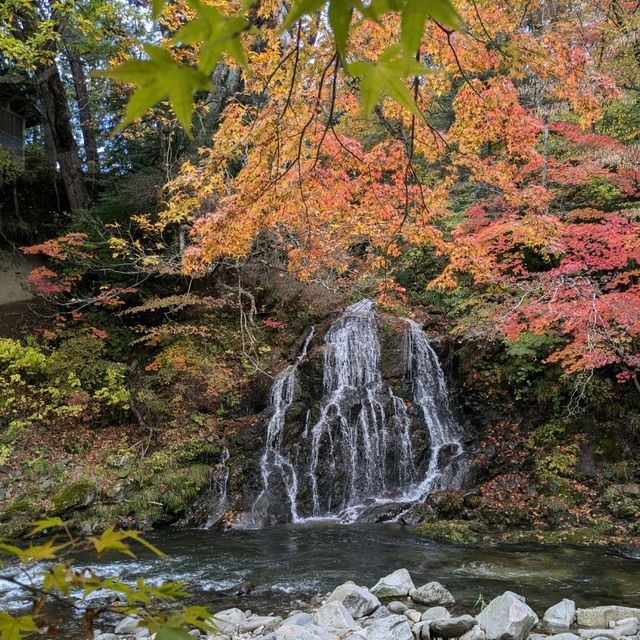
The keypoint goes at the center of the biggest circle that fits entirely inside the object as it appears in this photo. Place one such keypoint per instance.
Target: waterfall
(430, 394)
(274, 463)
(219, 484)
(356, 445)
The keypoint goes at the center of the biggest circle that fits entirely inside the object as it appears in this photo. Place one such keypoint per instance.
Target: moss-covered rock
(452, 531)
(76, 495)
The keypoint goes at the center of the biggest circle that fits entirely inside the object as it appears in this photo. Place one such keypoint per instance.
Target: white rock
(563, 636)
(228, 621)
(128, 625)
(589, 634)
(477, 633)
(380, 612)
(141, 633)
(194, 633)
(255, 622)
(300, 619)
(106, 636)
(334, 617)
(294, 632)
(358, 601)
(396, 584)
(626, 627)
(432, 593)
(420, 630)
(393, 627)
(507, 617)
(436, 613)
(560, 616)
(600, 617)
(413, 615)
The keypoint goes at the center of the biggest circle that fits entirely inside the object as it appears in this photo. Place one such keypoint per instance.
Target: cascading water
(356, 444)
(274, 464)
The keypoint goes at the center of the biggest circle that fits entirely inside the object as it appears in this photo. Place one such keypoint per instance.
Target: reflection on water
(295, 561)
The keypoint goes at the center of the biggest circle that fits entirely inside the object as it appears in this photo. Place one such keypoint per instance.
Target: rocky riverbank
(395, 609)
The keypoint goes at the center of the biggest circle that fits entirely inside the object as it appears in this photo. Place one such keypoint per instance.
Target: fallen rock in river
(560, 616)
(600, 617)
(451, 627)
(507, 617)
(432, 593)
(396, 584)
(393, 627)
(358, 601)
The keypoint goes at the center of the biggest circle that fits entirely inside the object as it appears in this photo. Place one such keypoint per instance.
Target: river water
(297, 561)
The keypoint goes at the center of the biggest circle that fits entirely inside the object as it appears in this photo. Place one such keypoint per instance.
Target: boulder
(228, 621)
(106, 636)
(413, 615)
(476, 633)
(625, 627)
(451, 627)
(560, 616)
(127, 626)
(300, 619)
(393, 627)
(436, 613)
(295, 632)
(600, 617)
(268, 623)
(590, 634)
(358, 601)
(564, 636)
(432, 593)
(334, 617)
(396, 584)
(507, 617)
(420, 630)
(396, 606)
(380, 612)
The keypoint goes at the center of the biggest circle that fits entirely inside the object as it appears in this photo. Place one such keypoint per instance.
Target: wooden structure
(18, 112)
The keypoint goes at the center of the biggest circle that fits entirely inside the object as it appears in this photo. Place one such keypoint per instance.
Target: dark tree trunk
(84, 110)
(56, 108)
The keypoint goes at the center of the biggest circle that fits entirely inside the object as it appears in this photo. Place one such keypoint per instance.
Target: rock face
(560, 616)
(452, 627)
(600, 617)
(358, 601)
(432, 593)
(393, 626)
(396, 584)
(507, 617)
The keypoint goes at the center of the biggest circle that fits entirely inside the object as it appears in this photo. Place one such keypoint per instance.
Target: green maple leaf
(386, 76)
(158, 78)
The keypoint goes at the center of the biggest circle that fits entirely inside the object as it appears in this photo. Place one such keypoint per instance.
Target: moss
(451, 531)
(449, 503)
(25, 505)
(75, 495)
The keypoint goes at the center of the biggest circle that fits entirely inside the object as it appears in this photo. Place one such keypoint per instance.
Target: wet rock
(600, 617)
(432, 593)
(358, 601)
(333, 616)
(560, 616)
(128, 625)
(396, 584)
(436, 613)
(393, 626)
(507, 617)
(451, 627)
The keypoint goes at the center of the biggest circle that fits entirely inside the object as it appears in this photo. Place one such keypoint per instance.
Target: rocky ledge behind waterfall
(395, 609)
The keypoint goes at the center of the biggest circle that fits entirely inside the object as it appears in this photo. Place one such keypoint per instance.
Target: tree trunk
(84, 110)
(56, 109)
